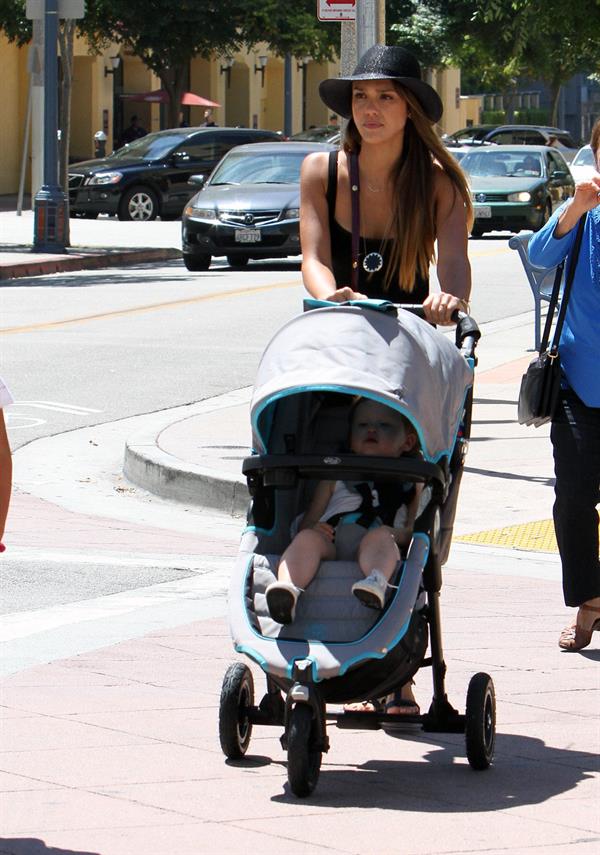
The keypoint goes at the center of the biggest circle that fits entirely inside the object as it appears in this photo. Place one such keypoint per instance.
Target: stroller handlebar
(467, 331)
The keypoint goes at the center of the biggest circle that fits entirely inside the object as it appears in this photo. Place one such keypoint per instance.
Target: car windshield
(264, 168)
(584, 157)
(151, 147)
(508, 164)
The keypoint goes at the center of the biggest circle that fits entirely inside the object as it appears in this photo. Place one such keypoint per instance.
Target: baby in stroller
(352, 521)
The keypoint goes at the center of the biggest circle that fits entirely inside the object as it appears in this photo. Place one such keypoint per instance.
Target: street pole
(50, 204)
(287, 95)
(366, 25)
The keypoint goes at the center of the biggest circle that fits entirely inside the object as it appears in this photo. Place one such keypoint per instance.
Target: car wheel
(139, 203)
(196, 263)
(237, 260)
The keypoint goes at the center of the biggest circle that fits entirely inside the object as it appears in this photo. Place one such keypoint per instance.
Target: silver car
(249, 208)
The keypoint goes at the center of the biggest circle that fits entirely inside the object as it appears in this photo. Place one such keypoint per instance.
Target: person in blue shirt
(575, 432)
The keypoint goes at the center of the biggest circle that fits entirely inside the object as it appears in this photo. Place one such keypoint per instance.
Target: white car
(583, 166)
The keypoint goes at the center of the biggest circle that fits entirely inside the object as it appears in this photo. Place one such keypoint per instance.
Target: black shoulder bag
(540, 384)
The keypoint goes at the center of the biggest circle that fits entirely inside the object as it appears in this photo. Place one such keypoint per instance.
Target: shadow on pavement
(33, 846)
(526, 771)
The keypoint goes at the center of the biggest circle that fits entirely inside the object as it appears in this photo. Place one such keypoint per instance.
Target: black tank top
(371, 284)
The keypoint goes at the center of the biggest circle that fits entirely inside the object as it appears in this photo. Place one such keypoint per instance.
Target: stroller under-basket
(336, 650)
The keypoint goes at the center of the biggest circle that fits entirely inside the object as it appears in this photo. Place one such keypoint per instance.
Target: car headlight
(106, 178)
(201, 213)
(291, 214)
(523, 196)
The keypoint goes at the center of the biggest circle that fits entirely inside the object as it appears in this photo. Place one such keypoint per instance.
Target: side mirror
(559, 175)
(197, 181)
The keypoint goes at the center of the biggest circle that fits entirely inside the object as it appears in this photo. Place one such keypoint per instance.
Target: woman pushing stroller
(372, 212)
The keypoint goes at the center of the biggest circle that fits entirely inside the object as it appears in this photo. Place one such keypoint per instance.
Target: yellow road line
(138, 310)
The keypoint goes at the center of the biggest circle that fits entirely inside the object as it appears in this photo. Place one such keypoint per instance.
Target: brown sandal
(575, 637)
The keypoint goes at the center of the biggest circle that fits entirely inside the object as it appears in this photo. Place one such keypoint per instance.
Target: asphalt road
(94, 346)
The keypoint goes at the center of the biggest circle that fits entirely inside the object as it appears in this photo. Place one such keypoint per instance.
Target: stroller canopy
(400, 361)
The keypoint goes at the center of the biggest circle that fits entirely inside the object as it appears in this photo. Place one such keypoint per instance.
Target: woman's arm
(587, 196)
(553, 242)
(315, 238)
(453, 267)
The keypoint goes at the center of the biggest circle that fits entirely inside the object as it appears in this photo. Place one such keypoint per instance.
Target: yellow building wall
(317, 114)
(14, 82)
(272, 96)
(471, 107)
(447, 84)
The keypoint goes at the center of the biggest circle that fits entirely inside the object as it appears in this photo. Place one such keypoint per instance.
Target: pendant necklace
(373, 261)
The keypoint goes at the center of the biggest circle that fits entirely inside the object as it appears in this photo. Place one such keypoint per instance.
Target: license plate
(248, 235)
(483, 212)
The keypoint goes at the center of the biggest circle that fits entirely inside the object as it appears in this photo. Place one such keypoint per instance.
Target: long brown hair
(413, 220)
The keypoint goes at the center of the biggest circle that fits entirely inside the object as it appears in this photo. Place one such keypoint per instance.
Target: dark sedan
(149, 177)
(249, 207)
(516, 187)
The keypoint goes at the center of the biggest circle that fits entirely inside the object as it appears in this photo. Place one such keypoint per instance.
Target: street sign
(336, 10)
(67, 9)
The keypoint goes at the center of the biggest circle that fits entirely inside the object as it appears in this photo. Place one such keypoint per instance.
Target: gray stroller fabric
(327, 610)
(401, 361)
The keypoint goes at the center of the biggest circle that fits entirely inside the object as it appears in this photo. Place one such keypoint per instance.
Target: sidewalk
(104, 242)
(115, 751)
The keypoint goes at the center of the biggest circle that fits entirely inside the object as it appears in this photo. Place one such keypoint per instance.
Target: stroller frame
(303, 714)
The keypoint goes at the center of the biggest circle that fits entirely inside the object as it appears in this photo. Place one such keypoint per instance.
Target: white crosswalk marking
(58, 407)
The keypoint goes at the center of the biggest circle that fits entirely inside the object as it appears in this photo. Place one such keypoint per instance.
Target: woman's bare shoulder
(315, 165)
(441, 179)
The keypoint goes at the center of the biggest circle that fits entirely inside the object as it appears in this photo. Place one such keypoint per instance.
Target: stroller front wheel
(237, 697)
(304, 755)
(480, 724)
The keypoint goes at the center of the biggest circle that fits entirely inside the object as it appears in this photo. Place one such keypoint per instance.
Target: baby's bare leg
(378, 551)
(300, 561)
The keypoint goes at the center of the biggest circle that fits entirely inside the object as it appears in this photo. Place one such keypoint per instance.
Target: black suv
(149, 177)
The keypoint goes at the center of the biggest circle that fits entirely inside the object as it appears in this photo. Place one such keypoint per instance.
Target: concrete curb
(163, 474)
(87, 261)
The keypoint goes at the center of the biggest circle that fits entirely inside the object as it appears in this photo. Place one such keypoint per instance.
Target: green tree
(498, 41)
(175, 33)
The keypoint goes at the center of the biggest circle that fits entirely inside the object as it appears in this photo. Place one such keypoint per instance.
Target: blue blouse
(580, 337)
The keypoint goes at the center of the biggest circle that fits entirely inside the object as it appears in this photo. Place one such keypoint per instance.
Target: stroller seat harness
(379, 502)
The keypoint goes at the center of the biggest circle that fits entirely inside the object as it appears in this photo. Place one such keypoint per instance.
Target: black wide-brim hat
(382, 62)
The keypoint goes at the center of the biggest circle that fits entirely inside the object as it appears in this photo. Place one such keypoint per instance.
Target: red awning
(161, 96)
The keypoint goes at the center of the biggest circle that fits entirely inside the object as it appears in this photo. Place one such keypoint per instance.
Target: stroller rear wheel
(237, 697)
(303, 750)
(480, 724)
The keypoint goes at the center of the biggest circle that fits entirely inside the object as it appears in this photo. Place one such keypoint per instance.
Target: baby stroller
(336, 650)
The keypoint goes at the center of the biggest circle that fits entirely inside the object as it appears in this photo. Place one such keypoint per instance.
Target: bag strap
(555, 294)
(354, 195)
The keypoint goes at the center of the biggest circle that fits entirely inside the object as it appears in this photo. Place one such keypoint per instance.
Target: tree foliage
(497, 41)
